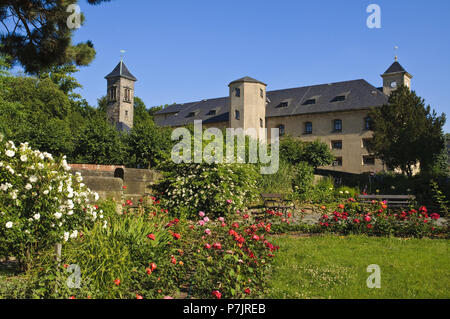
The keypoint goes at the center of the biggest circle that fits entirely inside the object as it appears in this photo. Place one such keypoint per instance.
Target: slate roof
(358, 94)
(247, 79)
(395, 67)
(121, 72)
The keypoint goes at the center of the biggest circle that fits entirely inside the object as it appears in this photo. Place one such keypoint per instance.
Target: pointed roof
(247, 79)
(121, 70)
(394, 68)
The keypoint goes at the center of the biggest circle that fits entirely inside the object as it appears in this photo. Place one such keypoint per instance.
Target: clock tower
(394, 77)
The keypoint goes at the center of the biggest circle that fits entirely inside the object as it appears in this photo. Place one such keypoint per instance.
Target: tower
(394, 77)
(120, 97)
(247, 104)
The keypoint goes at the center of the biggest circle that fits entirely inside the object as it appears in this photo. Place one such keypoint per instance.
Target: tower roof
(394, 68)
(247, 79)
(121, 70)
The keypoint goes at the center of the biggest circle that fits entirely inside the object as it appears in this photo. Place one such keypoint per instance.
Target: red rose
(139, 297)
(153, 266)
(369, 226)
(341, 206)
(217, 294)
(117, 281)
(207, 246)
(247, 291)
(148, 271)
(176, 236)
(151, 236)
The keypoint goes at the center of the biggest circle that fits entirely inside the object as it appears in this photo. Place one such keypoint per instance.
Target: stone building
(335, 113)
(120, 97)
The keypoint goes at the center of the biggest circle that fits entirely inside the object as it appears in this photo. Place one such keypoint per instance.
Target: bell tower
(120, 97)
(394, 77)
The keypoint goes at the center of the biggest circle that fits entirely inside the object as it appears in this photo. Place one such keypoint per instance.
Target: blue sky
(183, 51)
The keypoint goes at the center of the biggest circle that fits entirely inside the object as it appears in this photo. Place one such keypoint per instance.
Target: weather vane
(395, 50)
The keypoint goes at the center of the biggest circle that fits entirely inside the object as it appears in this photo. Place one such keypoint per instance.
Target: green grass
(335, 267)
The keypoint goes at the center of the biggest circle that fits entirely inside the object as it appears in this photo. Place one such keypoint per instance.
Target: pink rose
(207, 231)
(201, 214)
(201, 222)
(206, 219)
(221, 219)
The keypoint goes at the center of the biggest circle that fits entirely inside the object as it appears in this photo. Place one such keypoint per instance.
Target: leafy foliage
(315, 153)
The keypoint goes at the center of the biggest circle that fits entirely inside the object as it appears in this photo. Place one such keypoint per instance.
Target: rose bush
(376, 219)
(41, 202)
(188, 188)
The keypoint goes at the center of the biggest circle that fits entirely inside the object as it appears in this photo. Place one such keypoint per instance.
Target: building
(120, 97)
(335, 113)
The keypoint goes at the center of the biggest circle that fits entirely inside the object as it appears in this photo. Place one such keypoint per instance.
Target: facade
(335, 113)
(120, 97)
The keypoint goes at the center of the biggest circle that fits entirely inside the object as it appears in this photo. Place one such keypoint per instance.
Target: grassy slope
(335, 267)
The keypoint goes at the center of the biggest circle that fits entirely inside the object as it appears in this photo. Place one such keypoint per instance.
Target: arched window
(237, 115)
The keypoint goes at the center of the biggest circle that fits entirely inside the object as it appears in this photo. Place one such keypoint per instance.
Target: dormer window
(282, 104)
(191, 114)
(338, 98)
(212, 112)
(309, 102)
(237, 92)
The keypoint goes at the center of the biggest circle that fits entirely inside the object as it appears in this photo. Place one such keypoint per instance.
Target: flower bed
(377, 219)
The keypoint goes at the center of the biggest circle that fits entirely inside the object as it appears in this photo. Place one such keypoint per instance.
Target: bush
(280, 182)
(303, 180)
(41, 203)
(188, 188)
(375, 219)
(126, 256)
(228, 257)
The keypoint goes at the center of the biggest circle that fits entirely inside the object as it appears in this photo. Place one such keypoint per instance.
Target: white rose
(23, 158)
(58, 215)
(36, 216)
(46, 192)
(28, 186)
(66, 236)
(10, 153)
(9, 225)
(33, 179)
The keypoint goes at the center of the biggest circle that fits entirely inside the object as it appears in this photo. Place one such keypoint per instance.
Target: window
(338, 98)
(309, 102)
(191, 114)
(282, 104)
(337, 161)
(282, 129)
(308, 128)
(368, 160)
(112, 94)
(261, 93)
(261, 123)
(237, 92)
(126, 113)
(366, 142)
(367, 123)
(237, 115)
(212, 112)
(127, 96)
(336, 145)
(337, 125)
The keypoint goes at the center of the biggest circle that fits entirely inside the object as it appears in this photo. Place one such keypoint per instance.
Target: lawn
(335, 267)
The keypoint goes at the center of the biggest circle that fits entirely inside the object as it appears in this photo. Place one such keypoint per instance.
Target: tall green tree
(37, 34)
(314, 153)
(407, 132)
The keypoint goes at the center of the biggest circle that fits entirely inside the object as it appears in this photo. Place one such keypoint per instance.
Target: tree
(37, 35)
(315, 153)
(406, 132)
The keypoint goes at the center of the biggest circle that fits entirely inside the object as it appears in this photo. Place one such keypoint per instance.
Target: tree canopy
(37, 34)
(407, 132)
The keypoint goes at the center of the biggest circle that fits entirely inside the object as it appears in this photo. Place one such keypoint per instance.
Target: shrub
(303, 180)
(375, 219)
(41, 203)
(228, 257)
(187, 188)
(280, 182)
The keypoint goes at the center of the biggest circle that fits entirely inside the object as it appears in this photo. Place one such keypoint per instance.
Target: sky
(183, 51)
